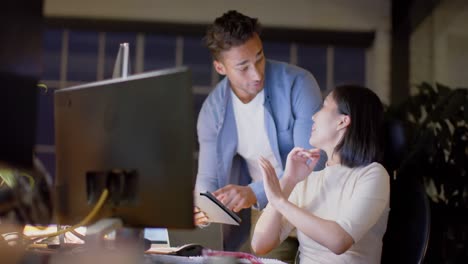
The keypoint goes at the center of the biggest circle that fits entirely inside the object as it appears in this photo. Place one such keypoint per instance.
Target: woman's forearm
(325, 232)
(268, 229)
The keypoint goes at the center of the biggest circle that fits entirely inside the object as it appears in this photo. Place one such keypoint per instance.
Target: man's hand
(236, 197)
(200, 218)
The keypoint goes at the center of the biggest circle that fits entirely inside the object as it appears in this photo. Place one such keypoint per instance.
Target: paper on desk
(161, 249)
(215, 212)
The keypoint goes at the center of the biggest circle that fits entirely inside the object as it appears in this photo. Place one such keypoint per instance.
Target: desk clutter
(195, 253)
(188, 254)
(73, 249)
(168, 259)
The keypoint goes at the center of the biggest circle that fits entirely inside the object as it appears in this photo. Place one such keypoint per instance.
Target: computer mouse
(189, 250)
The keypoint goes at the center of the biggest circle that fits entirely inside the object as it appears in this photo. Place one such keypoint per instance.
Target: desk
(210, 260)
(209, 237)
(120, 257)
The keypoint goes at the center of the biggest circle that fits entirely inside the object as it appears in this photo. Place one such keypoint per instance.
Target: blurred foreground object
(24, 183)
(20, 69)
(25, 194)
(10, 253)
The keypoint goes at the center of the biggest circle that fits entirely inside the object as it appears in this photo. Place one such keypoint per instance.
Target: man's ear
(343, 122)
(219, 67)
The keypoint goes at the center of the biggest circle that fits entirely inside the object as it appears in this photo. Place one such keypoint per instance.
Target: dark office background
(76, 56)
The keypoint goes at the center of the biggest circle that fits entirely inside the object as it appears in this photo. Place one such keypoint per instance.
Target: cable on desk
(84, 222)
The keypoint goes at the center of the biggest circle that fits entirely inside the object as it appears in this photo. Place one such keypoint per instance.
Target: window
(197, 57)
(45, 117)
(82, 56)
(160, 52)
(314, 59)
(349, 65)
(52, 45)
(277, 50)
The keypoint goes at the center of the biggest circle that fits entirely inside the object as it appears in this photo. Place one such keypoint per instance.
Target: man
(261, 108)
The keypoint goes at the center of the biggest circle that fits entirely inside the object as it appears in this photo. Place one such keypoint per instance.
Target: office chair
(408, 229)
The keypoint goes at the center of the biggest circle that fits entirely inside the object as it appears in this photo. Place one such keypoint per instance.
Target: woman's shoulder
(375, 166)
(373, 169)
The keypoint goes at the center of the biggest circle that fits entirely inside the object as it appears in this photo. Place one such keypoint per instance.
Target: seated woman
(341, 212)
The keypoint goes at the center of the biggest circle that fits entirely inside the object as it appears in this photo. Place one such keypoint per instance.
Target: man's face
(244, 66)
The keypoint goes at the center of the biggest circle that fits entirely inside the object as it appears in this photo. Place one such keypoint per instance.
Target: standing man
(261, 108)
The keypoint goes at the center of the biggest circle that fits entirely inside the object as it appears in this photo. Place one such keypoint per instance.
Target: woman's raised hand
(300, 163)
(270, 181)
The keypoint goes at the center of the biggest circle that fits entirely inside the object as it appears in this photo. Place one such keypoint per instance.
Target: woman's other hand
(300, 163)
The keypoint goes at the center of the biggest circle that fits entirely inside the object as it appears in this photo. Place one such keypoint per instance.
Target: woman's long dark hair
(361, 144)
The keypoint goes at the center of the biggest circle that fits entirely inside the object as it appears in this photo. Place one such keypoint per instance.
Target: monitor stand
(97, 231)
(125, 238)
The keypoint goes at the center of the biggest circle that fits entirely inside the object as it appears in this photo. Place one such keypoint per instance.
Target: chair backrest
(409, 222)
(408, 230)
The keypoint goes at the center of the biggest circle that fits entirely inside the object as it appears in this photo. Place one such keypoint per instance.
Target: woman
(341, 212)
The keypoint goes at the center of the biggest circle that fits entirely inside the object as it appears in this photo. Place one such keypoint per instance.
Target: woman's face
(325, 130)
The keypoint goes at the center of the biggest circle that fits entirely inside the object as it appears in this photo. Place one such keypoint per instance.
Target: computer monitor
(133, 136)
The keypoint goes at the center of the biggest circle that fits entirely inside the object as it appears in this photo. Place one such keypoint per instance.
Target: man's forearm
(257, 188)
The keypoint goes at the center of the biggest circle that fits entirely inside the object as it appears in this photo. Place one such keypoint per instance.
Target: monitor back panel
(142, 127)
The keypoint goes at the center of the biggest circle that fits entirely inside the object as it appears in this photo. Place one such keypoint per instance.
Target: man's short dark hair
(230, 30)
(362, 142)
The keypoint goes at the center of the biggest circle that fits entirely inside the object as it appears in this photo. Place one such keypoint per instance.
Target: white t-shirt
(357, 199)
(252, 139)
